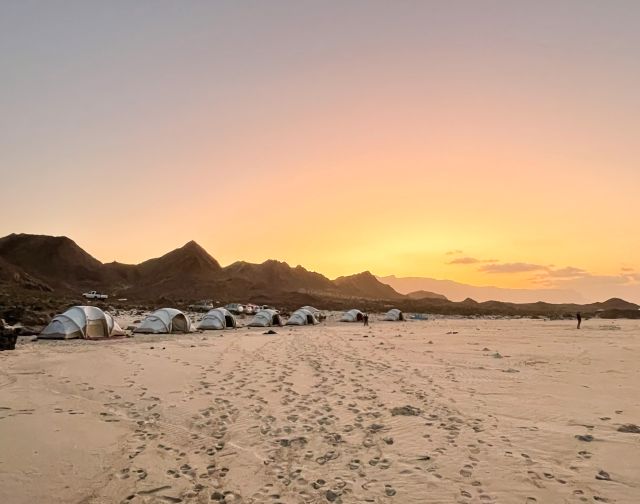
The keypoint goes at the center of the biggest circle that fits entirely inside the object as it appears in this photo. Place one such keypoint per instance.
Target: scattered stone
(405, 411)
(424, 458)
(497, 355)
(388, 440)
(586, 437)
(270, 331)
(630, 428)
(331, 495)
(510, 370)
(430, 342)
(485, 349)
(603, 475)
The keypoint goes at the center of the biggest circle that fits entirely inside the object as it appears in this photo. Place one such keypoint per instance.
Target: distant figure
(579, 317)
(365, 319)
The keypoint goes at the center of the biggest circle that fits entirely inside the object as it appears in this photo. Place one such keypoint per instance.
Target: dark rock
(405, 411)
(603, 475)
(270, 331)
(630, 428)
(331, 495)
(586, 437)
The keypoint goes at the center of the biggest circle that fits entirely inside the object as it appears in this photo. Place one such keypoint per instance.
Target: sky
(487, 142)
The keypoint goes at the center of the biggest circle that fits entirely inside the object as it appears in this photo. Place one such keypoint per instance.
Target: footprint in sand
(466, 471)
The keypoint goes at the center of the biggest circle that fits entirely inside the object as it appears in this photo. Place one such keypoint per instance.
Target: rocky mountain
(423, 294)
(54, 260)
(365, 285)
(279, 276)
(188, 272)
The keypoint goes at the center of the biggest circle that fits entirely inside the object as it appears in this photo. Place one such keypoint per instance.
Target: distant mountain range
(57, 266)
(456, 291)
(57, 263)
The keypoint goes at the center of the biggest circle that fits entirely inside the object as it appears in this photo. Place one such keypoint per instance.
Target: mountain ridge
(44, 264)
(188, 271)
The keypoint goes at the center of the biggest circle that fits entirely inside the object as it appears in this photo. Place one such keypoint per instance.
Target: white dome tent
(319, 315)
(352, 316)
(266, 318)
(86, 322)
(218, 318)
(165, 321)
(394, 315)
(302, 317)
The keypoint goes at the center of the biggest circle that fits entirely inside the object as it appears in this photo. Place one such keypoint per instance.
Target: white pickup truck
(94, 295)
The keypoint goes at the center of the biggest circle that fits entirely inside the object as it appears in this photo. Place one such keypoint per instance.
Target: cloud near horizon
(471, 260)
(517, 267)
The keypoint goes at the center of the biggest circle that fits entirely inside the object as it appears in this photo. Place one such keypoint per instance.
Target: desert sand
(439, 411)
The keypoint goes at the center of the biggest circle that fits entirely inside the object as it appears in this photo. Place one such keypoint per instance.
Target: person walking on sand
(365, 319)
(579, 317)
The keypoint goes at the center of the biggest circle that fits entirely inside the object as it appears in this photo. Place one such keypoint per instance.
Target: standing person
(366, 319)
(579, 317)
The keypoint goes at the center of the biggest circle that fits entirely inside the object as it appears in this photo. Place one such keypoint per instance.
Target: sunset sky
(487, 142)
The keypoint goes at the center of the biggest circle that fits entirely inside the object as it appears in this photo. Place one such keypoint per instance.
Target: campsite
(319, 252)
(382, 413)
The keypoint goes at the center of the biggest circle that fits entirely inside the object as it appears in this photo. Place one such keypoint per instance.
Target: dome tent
(352, 316)
(218, 318)
(165, 321)
(302, 317)
(394, 315)
(86, 322)
(266, 318)
(319, 315)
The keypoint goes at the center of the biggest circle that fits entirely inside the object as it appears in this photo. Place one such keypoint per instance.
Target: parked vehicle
(251, 309)
(94, 295)
(235, 308)
(203, 306)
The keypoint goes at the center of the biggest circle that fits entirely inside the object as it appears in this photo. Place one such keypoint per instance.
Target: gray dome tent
(218, 318)
(86, 322)
(352, 316)
(394, 315)
(266, 318)
(302, 317)
(165, 321)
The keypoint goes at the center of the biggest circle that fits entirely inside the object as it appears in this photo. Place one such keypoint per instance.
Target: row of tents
(90, 322)
(393, 315)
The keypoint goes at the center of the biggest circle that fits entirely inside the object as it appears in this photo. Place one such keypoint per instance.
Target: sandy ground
(307, 415)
